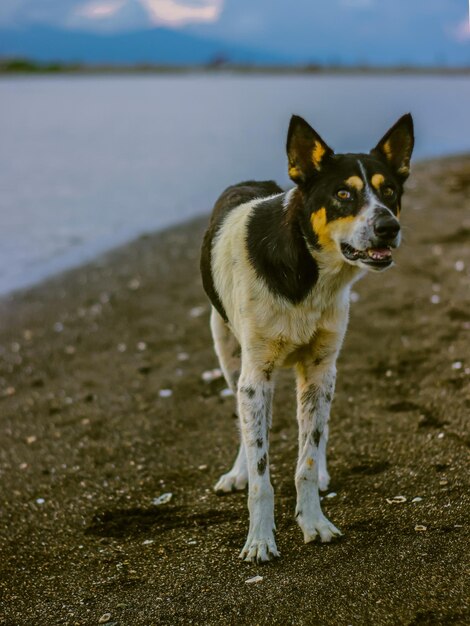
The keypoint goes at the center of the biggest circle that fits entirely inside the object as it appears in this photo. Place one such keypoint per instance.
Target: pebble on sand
(255, 579)
(210, 375)
(165, 393)
(396, 500)
(225, 393)
(197, 311)
(134, 284)
(163, 499)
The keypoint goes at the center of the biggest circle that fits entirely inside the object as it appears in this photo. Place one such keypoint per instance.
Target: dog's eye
(343, 194)
(388, 192)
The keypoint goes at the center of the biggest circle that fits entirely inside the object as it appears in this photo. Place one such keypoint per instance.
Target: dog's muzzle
(376, 252)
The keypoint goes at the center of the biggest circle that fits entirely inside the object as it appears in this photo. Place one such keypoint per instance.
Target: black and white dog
(278, 267)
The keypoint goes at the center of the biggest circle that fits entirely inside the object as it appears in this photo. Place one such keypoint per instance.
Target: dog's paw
(319, 527)
(259, 549)
(231, 482)
(323, 480)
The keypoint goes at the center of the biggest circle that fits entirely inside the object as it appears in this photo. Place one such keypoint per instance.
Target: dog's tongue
(379, 253)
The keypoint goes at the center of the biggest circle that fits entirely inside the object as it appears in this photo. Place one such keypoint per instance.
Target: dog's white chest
(258, 314)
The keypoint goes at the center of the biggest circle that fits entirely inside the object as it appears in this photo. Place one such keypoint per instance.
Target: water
(90, 162)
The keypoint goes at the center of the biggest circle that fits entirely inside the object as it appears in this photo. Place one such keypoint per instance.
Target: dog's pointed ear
(306, 150)
(396, 146)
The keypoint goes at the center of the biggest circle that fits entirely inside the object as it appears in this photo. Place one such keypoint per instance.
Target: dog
(278, 267)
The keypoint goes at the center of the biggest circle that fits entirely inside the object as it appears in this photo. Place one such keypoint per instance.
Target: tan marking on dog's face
(377, 180)
(327, 232)
(356, 182)
(321, 228)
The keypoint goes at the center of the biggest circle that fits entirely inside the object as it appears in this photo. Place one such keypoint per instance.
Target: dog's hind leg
(315, 387)
(227, 349)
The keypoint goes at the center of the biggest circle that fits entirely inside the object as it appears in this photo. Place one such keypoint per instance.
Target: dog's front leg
(255, 393)
(315, 387)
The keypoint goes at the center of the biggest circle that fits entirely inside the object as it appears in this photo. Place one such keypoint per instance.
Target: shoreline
(89, 441)
(27, 67)
(90, 257)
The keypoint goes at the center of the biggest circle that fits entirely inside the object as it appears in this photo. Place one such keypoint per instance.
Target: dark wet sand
(87, 443)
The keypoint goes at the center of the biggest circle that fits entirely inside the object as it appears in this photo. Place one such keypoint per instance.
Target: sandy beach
(104, 408)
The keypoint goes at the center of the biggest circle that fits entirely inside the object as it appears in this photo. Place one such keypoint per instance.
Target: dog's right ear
(306, 150)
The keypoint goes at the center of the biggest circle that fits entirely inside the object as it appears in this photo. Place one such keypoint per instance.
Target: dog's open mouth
(378, 257)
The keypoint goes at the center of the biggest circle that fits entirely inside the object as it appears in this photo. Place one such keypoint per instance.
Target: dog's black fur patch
(231, 198)
(277, 249)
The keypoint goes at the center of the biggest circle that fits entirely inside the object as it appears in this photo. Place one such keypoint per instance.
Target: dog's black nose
(386, 226)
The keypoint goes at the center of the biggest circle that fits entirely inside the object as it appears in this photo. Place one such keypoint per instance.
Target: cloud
(100, 10)
(110, 14)
(178, 13)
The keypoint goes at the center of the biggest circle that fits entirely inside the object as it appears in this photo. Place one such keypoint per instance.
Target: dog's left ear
(306, 150)
(396, 146)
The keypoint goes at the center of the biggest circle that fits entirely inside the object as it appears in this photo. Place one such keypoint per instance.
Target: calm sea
(90, 162)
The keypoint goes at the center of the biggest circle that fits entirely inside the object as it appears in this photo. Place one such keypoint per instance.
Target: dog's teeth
(379, 254)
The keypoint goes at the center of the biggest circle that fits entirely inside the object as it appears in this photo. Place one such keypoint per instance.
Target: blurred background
(119, 117)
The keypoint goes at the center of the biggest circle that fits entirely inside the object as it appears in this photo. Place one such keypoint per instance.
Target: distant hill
(156, 46)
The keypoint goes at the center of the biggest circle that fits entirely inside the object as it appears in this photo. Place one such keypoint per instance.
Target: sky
(111, 14)
(419, 31)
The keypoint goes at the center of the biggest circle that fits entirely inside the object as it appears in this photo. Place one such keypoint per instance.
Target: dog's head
(351, 202)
